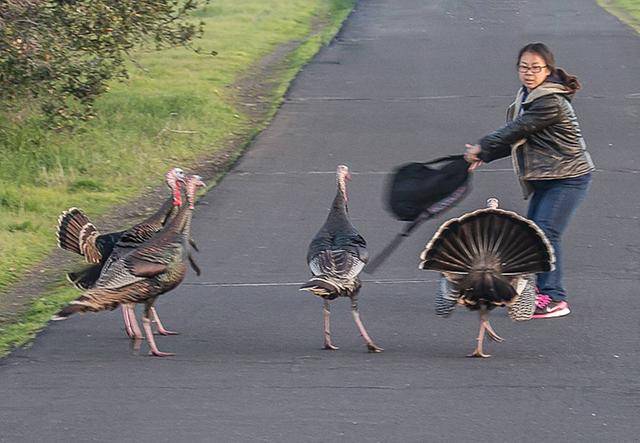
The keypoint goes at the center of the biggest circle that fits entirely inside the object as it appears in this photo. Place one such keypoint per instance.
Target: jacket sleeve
(543, 112)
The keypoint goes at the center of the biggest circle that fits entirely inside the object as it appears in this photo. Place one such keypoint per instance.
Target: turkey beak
(348, 176)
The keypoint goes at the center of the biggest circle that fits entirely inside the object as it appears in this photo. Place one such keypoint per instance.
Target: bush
(61, 54)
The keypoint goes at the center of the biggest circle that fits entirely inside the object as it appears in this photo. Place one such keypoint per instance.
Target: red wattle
(177, 198)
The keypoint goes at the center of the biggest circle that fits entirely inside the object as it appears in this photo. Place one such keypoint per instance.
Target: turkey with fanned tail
(336, 256)
(76, 233)
(488, 258)
(155, 267)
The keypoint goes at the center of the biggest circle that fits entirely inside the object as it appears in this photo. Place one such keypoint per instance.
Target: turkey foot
(478, 354)
(146, 323)
(159, 326)
(371, 346)
(326, 312)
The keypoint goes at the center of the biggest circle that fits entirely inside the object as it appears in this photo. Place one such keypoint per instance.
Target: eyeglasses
(534, 69)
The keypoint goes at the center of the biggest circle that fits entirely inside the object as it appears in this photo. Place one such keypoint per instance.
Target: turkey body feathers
(85, 278)
(130, 290)
(338, 233)
(335, 262)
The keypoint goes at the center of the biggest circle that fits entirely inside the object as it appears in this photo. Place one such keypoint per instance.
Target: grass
(35, 318)
(628, 11)
(181, 107)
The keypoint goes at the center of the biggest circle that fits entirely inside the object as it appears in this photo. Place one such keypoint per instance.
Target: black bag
(419, 191)
(431, 187)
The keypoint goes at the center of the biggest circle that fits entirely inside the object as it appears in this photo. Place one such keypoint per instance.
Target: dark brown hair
(568, 80)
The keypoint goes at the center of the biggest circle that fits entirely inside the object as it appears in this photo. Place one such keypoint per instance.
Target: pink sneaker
(546, 307)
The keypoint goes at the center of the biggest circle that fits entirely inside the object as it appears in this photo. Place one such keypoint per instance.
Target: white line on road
(253, 285)
(478, 171)
(243, 173)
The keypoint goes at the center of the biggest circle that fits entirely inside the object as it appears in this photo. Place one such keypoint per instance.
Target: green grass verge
(39, 313)
(628, 11)
(181, 107)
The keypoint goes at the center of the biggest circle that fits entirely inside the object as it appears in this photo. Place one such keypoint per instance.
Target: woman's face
(532, 70)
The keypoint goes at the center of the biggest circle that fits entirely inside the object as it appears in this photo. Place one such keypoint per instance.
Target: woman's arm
(541, 113)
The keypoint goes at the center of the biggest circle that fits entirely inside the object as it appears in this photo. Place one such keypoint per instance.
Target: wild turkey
(140, 276)
(336, 255)
(76, 233)
(488, 258)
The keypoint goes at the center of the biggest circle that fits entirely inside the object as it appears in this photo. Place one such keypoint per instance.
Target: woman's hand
(471, 156)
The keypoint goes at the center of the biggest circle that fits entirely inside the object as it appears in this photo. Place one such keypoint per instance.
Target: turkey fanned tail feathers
(77, 234)
(489, 239)
(485, 254)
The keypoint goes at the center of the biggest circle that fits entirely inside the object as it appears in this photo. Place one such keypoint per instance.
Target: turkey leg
(127, 322)
(159, 326)
(492, 334)
(146, 323)
(478, 353)
(371, 346)
(326, 312)
(130, 323)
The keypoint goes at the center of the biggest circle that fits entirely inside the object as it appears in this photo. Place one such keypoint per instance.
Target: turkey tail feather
(94, 301)
(495, 240)
(68, 311)
(74, 231)
(322, 286)
(330, 287)
(487, 286)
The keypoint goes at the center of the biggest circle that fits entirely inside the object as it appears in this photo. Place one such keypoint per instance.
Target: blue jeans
(551, 207)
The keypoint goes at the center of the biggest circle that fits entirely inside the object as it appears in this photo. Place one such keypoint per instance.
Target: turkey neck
(186, 226)
(339, 207)
(338, 219)
(181, 224)
(160, 217)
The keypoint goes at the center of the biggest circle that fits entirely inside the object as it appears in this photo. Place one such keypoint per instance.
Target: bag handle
(371, 267)
(445, 158)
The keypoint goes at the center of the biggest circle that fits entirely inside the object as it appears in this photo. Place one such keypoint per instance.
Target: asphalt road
(406, 80)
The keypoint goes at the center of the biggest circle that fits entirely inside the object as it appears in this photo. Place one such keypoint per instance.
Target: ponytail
(569, 81)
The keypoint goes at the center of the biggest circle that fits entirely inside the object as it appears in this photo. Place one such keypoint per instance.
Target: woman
(549, 156)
